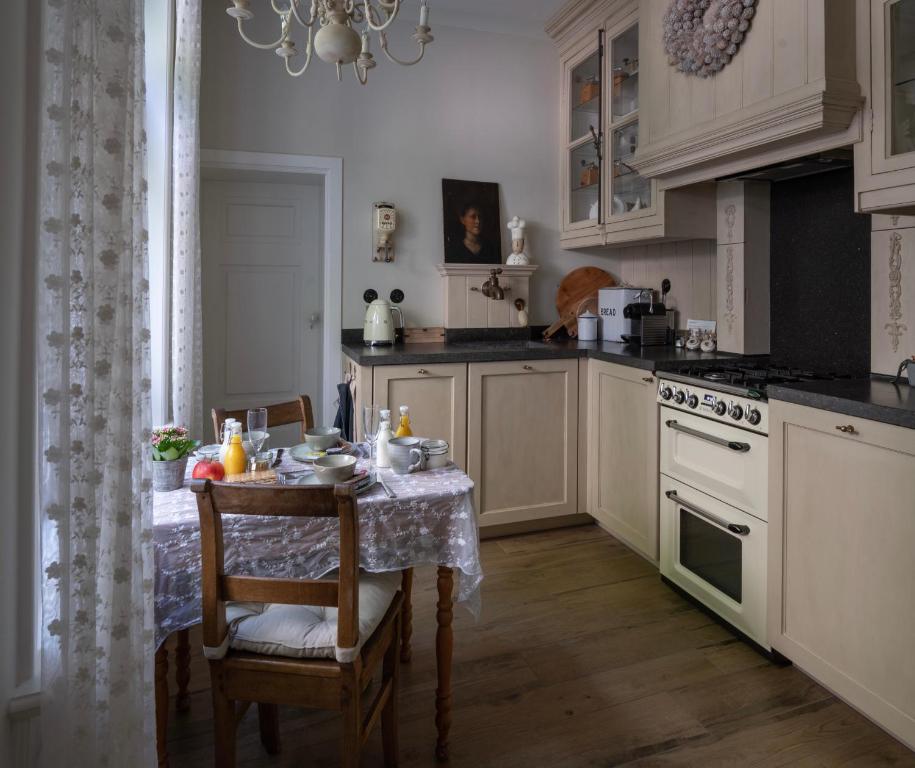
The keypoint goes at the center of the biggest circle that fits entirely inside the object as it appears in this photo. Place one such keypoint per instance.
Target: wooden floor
(582, 658)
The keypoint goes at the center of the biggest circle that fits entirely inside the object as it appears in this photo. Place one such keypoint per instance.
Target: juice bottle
(404, 429)
(236, 459)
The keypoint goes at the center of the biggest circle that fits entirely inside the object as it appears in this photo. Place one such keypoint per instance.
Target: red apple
(207, 469)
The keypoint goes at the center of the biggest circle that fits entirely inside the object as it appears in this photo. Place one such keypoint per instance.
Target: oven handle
(731, 444)
(740, 530)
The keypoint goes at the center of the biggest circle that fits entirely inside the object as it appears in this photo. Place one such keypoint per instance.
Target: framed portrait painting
(473, 233)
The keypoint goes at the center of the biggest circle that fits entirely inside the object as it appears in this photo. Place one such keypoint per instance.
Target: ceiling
(522, 17)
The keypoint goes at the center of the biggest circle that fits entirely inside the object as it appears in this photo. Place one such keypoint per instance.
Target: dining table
(430, 521)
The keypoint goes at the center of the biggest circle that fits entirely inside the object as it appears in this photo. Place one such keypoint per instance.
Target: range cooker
(714, 487)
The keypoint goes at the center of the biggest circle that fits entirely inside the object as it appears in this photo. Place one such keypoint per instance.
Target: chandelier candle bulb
(424, 14)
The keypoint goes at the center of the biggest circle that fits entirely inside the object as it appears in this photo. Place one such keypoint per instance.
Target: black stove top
(746, 377)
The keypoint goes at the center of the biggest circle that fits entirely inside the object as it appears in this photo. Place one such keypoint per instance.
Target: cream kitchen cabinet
(622, 483)
(604, 199)
(522, 439)
(437, 397)
(841, 563)
(885, 159)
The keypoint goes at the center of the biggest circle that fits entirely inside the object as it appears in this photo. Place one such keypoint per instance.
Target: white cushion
(307, 631)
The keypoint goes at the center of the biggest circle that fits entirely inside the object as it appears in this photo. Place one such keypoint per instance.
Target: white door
(262, 299)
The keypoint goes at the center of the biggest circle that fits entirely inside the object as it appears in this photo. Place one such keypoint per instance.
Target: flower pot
(169, 475)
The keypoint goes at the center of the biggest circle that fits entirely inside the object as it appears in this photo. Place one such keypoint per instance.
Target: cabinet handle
(422, 371)
(648, 379)
(848, 429)
(528, 367)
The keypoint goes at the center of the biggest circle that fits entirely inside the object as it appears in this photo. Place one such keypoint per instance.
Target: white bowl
(334, 469)
(322, 438)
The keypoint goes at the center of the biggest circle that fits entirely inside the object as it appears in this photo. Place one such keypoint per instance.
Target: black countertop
(646, 358)
(875, 398)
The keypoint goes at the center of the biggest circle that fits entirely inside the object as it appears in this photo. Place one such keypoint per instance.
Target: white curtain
(93, 376)
(187, 320)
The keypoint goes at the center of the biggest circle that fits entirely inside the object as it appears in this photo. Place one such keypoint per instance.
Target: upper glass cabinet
(628, 191)
(902, 76)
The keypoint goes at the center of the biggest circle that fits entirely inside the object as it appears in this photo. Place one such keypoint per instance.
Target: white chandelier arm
(391, 9)
(263, 46)
(384, 47)
(313, 14)
(362, 75)
(309, 49)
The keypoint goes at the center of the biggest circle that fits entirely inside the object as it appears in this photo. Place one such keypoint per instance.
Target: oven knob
(735, 412)
(754, 416)
(679, 397)
(721, 408)
(692, 401)
(666, 392)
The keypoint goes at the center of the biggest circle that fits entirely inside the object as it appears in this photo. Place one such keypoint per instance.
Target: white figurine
(518, 256)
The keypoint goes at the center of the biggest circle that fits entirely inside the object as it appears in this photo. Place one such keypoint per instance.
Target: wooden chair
(262, 660)
(294, 412)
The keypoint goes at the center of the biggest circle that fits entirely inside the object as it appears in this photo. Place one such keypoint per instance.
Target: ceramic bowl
(334, 469)
(322, 438)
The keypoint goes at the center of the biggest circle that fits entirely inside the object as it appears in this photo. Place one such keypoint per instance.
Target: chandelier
(331, 31)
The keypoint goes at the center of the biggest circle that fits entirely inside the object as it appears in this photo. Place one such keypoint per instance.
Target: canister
(587, 326)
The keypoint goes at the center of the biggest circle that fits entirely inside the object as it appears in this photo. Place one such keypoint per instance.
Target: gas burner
(746, 377)
(716, 376)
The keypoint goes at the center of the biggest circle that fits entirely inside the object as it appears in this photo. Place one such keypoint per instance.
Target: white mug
(405, 455)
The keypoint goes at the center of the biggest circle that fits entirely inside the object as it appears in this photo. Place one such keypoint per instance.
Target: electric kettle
(378, 329)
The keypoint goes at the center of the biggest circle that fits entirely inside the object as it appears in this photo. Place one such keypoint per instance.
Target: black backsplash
(820, 268)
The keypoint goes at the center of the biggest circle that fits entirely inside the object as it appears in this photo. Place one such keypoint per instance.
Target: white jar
(382, 455)
(587, 326)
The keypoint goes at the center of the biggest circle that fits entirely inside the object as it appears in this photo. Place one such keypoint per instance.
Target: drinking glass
(257, 429)
(371, 421)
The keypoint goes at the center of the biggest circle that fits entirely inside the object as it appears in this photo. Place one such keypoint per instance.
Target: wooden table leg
(162, 706)
(183, 669)
(406, 631)
(444, 646)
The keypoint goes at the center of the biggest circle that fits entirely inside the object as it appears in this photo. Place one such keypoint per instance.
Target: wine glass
(257, 429)
(371, 421)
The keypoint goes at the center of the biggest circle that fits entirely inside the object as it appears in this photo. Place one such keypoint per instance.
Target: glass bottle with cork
(404, 429)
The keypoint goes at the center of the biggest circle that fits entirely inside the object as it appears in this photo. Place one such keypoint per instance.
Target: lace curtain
(93, 376)
(187, 322)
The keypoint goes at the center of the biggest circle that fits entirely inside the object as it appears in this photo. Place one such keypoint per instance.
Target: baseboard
(532, 526)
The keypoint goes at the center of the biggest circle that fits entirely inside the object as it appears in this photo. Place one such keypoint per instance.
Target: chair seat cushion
(309, 631)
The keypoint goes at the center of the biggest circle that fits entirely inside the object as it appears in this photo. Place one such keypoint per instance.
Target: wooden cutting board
(577, 293)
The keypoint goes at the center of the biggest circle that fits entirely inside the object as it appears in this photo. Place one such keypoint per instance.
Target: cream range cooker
(714, 489)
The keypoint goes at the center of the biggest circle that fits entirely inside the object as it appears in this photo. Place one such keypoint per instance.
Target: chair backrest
(217, 499)
(294, 412)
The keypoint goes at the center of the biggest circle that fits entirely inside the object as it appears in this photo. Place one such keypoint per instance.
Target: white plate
(306, 455)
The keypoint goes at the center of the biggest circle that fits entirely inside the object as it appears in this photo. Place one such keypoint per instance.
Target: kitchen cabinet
(604, 199)
(437, 397)
(522, 439)
(885, 160)
(841, 565)
(622, 484)
(359, 379)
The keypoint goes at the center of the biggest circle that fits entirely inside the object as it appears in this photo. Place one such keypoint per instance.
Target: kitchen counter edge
(646, 358)
(875, 398)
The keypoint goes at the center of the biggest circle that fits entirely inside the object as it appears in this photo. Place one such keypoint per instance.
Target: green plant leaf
(156, 455)
(171, 454)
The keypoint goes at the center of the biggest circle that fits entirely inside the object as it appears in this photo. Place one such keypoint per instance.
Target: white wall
(480, 106)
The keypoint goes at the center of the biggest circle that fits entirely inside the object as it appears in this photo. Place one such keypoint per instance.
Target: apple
(207, 469)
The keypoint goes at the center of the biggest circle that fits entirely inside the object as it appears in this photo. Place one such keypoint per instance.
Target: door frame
(331, 168)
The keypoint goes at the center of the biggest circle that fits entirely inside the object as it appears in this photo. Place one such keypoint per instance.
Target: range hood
(810, 165)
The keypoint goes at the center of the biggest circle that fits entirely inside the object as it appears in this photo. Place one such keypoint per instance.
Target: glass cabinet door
(628, 191)
(583, 144)
(902, 76)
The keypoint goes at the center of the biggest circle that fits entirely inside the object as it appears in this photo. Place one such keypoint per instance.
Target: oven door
(717, 554)
(721, 460)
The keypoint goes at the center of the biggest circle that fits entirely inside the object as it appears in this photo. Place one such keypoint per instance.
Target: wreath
(702, 36)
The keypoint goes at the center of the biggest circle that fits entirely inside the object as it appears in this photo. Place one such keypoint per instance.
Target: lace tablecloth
(431, 522)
